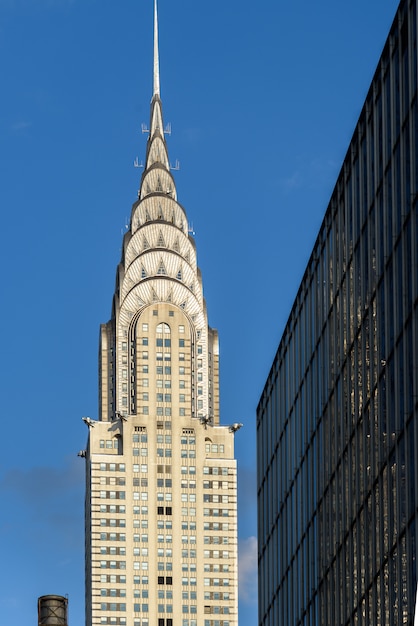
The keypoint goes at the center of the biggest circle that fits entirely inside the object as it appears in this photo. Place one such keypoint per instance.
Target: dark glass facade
(337, 422)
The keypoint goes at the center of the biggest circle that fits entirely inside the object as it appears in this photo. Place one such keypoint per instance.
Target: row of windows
(113, 564)
(216, 582)
(160, 356)
(113, 593)
(216, 554)
(216, 471)
(214, 447)
(109, 443)
(216, 512)
(143, 482)
(144, 593)
(188, 525)
(159, 411)
(167, 566)
(113, 522)
(191, 441)
(188, 484)
(161, 329)
(188, 554)
(213, 497)
(139, 451)
(113, 495)
(216, 526)
(113, 606)
(112, 508)
(112, 480)
(167, 496)
(216, 567)
(112, 537)
(215, 484)
(112, 467)
(188, 497)
(215, 540)
(140, 437)
(113, 578)
(113, 550)
(217, 595)
(188, 512)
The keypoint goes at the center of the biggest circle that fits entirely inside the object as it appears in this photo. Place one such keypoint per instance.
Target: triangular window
(176, 245)
(147, 216)
(161, 269)
(154, 296)
(145, 244)
(160, 242)
(179, 275)
(143, 272)
(159, 185)
(160, 212)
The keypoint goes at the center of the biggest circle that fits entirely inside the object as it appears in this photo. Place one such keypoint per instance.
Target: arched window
(163, 329)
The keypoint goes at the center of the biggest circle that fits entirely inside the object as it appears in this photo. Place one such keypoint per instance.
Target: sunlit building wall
(337, 422)
(161, 476)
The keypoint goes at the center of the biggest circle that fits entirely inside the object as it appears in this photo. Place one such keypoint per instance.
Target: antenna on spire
(156, 58)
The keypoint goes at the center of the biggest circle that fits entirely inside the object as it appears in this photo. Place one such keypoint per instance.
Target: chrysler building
(161, 477)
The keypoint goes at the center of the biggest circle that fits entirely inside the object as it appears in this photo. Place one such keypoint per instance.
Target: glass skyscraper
(337, 422)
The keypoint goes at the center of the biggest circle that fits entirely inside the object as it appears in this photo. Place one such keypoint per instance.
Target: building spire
(156, 91)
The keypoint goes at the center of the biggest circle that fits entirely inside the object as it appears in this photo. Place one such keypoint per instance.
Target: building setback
(337, 422)
(161, 512)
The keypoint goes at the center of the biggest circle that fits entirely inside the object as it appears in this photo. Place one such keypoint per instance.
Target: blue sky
(263, 99)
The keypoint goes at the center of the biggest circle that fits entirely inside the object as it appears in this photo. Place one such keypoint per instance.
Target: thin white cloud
(316, 173)
(291, 182)
(21, 126)
(247, 570)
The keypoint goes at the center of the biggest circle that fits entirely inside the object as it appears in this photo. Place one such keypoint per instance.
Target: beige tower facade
(161, 494)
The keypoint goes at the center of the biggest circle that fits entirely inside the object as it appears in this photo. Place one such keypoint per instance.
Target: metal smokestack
(52, 611)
